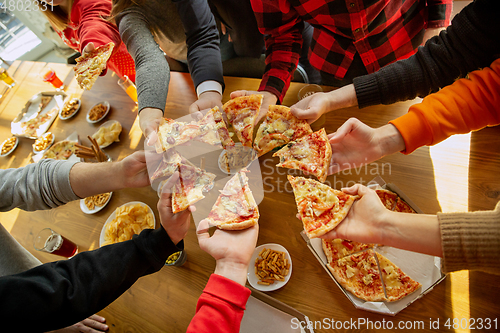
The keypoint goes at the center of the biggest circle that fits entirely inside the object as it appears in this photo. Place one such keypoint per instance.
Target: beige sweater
(471, 241)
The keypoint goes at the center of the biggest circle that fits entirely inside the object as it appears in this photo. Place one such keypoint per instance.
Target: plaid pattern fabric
(381, 31)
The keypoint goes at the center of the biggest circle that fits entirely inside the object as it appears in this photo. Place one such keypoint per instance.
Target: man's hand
(88, 48)
(149, 121)
(207, 100)
(176, 225)
(365, 221)
(356, 144)
(269, 99)
(231, 249)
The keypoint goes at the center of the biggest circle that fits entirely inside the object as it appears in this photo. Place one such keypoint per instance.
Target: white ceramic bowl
(74, 112)
(113, 215)
(48, 146)
(85, 209)
(13, 148)
(252, 277)
(106, 104)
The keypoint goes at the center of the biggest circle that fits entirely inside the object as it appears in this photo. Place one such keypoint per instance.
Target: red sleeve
(220, 308)
(89, 16)
(281, 25)
(466, 105)
(439, 13)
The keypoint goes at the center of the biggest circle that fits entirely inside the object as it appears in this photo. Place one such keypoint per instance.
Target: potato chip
(129, 220)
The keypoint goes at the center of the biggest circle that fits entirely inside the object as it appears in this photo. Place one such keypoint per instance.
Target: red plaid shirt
(381, 31)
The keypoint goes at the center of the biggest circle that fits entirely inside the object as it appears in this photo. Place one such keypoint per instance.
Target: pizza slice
(335, 249)
(189, 189)
(169, 164)
(359, 274)
(45, 100)
(397, 284)
(279, 127)
(387, 197)
(89, 66)
(172, 133)
(403, 207)
(311, 153)
(235, 208)
(241, 113)
(321, 208)
(213, 129)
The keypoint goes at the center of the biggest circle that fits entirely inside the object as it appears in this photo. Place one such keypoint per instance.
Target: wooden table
(459, 174)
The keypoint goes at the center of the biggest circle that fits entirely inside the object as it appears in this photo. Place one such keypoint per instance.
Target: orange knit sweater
(466, 105)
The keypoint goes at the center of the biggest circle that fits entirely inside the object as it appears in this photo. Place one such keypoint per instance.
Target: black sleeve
(469, 43)
(202, 38)
(61, 293)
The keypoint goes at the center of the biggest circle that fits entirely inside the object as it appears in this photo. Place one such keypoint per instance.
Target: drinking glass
(49, 75)
(6, 78)
(50, 241)
(129, 87)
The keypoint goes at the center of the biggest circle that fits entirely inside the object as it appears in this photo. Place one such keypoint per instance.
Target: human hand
(133, 168)
(176, 225)
(232, 250)
(92, 324)
(149, 121)
(88, 48)
(365, 221)
(312, 107)
(269, 99)
(207, 100)
(356, 144)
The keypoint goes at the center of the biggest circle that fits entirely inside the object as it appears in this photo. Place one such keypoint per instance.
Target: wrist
(232, 270)
(390, 140)
(343, 97)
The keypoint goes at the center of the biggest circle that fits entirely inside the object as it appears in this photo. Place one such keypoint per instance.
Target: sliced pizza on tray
(241, 113)
(359, 274)
(279, 127)
(235, 208)
(321, 207)
(311, 153)
(335, 249)
(89, 66)
(397, 283)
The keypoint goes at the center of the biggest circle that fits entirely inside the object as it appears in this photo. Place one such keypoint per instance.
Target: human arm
(469, 43)
(152, 70)
(466, 105)
(49, 183)
(221, 306)
(282, 27)
(92, 26)
(81, 286)
(312, 107)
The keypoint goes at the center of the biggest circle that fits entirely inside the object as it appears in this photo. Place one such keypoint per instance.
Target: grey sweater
(37, 186)
(143, 28)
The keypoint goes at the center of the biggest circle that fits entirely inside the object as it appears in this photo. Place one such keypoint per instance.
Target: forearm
(94, 178)
(389, 140)
(37, 186)
(344, 97)
(84, 284)
(412, 232)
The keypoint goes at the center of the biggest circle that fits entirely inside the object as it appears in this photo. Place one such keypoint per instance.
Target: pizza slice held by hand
(169, 164)
(89, 66)
(172, 133)
(235, 208)
(189, 189)
(241, 113)
(213, 129)
(279, 127)
(311, 154)
(321, 208)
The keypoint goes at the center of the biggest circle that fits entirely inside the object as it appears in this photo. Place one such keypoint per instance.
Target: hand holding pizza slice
(321, 208)
(235, 208)
(90, 65)
(241, 113)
